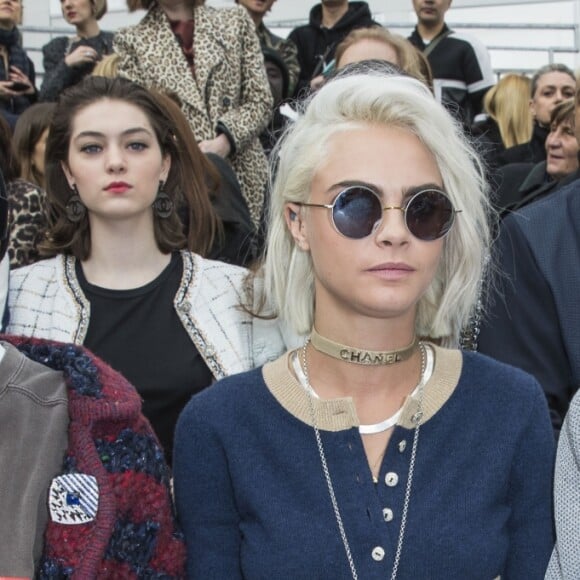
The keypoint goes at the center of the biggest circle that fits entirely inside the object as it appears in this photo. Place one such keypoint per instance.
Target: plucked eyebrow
(99, 135)
(406, 191)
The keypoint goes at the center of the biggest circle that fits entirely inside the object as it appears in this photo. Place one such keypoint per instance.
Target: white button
(402, 446)
(387, 514)
(378, 553)
(391, 479)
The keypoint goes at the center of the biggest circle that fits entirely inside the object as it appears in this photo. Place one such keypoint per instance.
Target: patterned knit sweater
(133, 533)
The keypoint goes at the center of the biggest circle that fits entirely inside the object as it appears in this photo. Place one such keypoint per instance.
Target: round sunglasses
(357, 212)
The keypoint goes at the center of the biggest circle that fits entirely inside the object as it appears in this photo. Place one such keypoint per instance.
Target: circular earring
(75, 209)
(163, 204)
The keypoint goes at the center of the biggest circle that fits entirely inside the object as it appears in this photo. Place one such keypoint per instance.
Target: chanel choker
(359, 356)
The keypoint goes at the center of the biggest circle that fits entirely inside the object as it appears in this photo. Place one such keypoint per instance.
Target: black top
(487, 140)
(316, 44)
(534, 151)
(57, 75)
(139, 334)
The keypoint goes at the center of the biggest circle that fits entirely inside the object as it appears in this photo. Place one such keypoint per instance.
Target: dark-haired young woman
(120, 281)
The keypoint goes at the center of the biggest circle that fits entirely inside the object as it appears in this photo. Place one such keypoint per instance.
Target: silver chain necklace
(416, 419)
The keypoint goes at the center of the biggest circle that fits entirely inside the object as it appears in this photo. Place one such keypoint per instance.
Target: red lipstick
(118, 187)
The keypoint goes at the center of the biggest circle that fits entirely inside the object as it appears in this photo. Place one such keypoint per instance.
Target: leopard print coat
(26, 222)
(229, 87)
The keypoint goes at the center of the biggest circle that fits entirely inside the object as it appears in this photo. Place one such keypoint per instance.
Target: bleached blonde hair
(355, 101)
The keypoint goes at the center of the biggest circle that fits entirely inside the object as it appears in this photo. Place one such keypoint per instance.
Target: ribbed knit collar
(9, 38)
(340, 414)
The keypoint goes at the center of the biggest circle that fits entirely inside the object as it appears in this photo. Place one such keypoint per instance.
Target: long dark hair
(8, 163)
(31, 124)
(186, 182)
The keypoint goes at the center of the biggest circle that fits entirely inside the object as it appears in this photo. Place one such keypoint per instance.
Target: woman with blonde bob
(377, 42)
(67, 60)
(375, 449)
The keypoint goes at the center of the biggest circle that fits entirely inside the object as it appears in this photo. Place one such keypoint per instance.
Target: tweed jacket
(45, 301)
(228, 92)
(121, 524)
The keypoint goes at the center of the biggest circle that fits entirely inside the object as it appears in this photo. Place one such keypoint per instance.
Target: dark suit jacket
(534, 316)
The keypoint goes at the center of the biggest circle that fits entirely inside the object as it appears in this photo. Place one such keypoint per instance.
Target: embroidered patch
(73, 498)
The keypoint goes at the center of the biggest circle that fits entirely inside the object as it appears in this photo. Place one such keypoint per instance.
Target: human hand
(80, 56)
(220, 146)
(6, 91)
(17, 77)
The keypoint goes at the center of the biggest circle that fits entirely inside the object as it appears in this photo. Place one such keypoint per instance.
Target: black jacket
(523, 183)
(57, 75)
(462, 72)
(533, 151)
(317, 45)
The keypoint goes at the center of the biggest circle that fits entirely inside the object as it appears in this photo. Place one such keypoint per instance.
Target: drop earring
(163, 204)
(75, 209)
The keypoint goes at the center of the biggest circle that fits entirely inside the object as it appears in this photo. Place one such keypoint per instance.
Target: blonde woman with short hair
(376, 449)
(67, 60)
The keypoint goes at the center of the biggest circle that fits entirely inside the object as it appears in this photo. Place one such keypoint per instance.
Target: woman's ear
(67, 174)
(165, 168)
(296, 225)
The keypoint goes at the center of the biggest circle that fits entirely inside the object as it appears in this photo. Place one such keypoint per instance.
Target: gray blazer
(565, 561)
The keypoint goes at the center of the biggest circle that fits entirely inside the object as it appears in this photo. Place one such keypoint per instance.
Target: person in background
(26, 193)
(377, 43)
(67, 59)
(17, 76)
(461, 65)
(523, 183)
(279, 81)
(565, 561)
(369, 452)
(211, 59)
(507, 121)
(237, 243)
(551, 85)
(30, 136)
(532, 320)
(121, 279)
(84, 489)
(272, 43)
(329, 23)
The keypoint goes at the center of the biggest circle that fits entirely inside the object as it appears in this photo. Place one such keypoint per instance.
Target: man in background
(270, 42)
(330, 21)
(533, 318)
(461, 67)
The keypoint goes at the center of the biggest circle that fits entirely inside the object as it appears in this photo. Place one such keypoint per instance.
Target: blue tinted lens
(429, 215)
(356, 212)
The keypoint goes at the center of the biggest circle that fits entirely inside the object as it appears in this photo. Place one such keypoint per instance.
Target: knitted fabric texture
(134, 534)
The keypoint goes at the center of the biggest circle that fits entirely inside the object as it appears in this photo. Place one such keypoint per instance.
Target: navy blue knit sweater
(253, 501)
